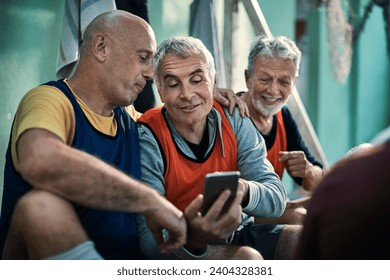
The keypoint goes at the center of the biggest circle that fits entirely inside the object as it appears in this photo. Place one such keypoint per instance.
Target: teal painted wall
(280, 16)
(169, 18)
(372, 71)
(29, 42)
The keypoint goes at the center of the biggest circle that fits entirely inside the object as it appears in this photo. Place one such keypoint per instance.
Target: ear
(247, 78)
(99, 47)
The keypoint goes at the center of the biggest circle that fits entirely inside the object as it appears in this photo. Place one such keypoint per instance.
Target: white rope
(339, 41)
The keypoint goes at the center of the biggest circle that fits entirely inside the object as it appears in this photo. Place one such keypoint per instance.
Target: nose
(186, 92)
(273, 88)
(148, 72)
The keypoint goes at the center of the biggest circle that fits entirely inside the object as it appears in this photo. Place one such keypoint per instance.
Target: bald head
(115, 59)
(117, 23)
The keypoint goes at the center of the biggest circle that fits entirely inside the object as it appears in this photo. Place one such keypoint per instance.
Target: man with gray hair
(191, 136)
(273, 66)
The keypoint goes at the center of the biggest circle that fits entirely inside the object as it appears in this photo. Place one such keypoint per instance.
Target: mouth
(188, 107)
(271, 99)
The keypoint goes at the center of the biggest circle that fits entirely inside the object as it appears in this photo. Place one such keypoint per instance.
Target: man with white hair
(273, 66)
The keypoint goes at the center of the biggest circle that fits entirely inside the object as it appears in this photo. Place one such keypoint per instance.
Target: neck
(192, 133)
(88, 91)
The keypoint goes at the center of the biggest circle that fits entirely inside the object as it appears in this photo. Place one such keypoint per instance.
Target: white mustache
(271, 98)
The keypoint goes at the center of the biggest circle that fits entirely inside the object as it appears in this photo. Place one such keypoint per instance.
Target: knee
(38, 206)
(288, 242)
(291, 234)
(248, 253)
(232, 252)
(41, 226)
(295, 215)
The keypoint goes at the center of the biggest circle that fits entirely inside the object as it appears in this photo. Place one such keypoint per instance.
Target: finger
(298, 173)
(232, 218)
(224, 94)
(283, 156)
(194, 208)
(231, 97)
(239, 196)
(297, 159)
(215, 210)
(247, 112)
(232, 104)
(297, 168)
(168, 241)
(241, 107)
(172, 243)
(220, 97)
(242, 186)
(158, 237)
(294, 162)
(225, 100)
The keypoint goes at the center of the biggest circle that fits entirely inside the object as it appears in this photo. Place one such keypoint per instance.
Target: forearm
(48, 164)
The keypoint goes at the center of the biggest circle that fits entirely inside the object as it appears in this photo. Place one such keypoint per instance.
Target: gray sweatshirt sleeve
(152, 170)
(267, 194)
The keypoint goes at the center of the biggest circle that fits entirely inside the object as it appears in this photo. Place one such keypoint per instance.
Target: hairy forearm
(48, 164)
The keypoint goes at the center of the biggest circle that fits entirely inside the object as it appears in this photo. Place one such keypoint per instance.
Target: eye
(196, 80)
(285, 82)
(264, 80)
(172, 84)
(143, 58)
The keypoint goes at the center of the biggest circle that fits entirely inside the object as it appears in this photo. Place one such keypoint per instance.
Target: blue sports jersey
(114, 233)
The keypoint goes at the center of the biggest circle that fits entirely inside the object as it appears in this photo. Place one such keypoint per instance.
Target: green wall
(371, 73)
(169, 18)
(281, 21)
(29, 42)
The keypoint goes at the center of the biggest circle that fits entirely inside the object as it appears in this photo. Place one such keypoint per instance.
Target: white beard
(267, 110)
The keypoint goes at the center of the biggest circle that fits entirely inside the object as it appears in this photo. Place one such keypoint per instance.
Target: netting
(339, 40)
(342, 35)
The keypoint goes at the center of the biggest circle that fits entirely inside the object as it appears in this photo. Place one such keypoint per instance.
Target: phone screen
(217, 182)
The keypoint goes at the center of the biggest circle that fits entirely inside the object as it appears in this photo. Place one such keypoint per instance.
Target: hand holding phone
(217, 182)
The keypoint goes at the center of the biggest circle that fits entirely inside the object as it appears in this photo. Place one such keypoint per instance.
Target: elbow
(275, 209)
(279, 204)
(30, 171)
(280, 209)
(35, 172)
(37, 157)
(268, 201)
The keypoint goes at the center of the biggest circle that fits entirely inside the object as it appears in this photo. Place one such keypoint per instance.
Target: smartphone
(217, 182)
